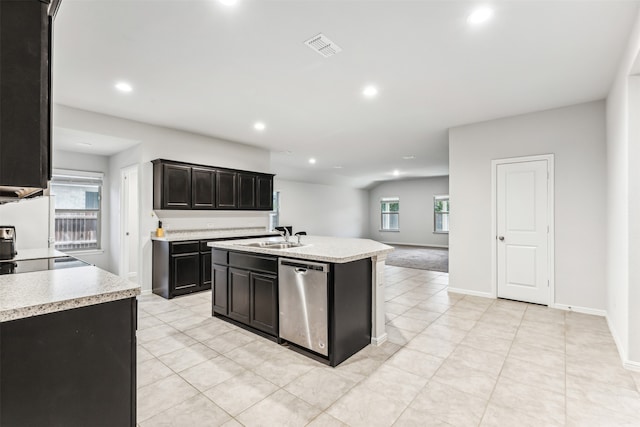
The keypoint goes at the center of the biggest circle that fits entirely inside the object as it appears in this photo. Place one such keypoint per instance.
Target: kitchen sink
(274, 245)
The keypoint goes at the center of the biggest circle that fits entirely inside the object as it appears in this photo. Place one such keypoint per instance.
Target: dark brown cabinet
(251, 289)
(186, 272)
(203, 188)
(179, 185)
(226, 188)
(25, 93)
(178, 268)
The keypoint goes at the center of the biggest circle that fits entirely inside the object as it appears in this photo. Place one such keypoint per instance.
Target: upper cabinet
(178, 185)
(25, 93)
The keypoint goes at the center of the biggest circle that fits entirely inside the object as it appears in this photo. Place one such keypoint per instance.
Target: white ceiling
(215, 70)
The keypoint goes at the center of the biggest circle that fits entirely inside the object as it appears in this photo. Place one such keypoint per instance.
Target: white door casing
(523, 224)
(129, 236)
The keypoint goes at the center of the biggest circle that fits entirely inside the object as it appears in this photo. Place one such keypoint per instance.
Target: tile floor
(450, 360)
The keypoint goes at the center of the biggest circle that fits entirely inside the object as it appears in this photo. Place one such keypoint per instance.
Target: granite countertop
(178, 235)
(41, 292)
(40, 253)
(316, 248)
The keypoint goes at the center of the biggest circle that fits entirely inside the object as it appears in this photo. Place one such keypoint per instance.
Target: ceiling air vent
(323, 45)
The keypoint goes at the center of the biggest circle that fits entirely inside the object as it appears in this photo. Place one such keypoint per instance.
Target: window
(274, 215)
(441, 214)
(77, 209)
(390, 214)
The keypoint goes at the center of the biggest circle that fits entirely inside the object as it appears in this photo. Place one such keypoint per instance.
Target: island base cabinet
(70, 368)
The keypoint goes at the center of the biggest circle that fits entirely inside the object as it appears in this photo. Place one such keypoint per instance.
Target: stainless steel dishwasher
(303, 299)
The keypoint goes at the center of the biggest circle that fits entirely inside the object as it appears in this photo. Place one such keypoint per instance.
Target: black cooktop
(28, 265)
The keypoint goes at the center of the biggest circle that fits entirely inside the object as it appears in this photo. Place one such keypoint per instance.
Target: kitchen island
(67, 347)
(254, 270)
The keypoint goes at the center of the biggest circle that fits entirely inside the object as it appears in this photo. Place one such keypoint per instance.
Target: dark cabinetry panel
(179, 185)
(226, 190)
(70, 368)
(239, 295)
(203, 188)
(25, 68)
(219, 287)
(180, 268)
(264, 303)
(186, 273)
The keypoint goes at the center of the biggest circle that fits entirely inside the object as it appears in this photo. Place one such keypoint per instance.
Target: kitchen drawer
(220, 256)
(253, 262)
(185, 247)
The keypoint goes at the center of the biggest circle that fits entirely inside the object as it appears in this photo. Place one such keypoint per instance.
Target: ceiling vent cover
(323, 45)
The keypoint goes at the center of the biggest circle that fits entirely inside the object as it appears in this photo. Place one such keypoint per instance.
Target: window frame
(384, 200)
(71, 178)
(436, 198)
(274, 215)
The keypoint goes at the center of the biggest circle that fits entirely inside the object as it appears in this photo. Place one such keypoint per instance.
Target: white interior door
(522, 214)
(129, 223)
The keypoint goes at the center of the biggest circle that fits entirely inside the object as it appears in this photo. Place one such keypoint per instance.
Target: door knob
(501, 238)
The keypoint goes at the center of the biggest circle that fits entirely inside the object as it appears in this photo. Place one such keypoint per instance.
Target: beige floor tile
(538, 313)
(162, 395)
(212, 372)
(142, 354)
(447, 333)
(395, 383)
(448, 404)
(416, 362)
(240, 392)
(433, 306)
(409, 324)
(197, 411)
(545, 405)
(542, 341)
(155, 332)
(552, 329)
(609, 397)
(554, 360)
(395, 308)
(188, 357)
(496, 328)
(148, 322)
(586, 414)
(151, 371)
(208, 331)
(414, 418)
(228, 341)
(279, 409)
(478, 359)
(604, 371)
(191, 322)
(361, 407)
(451, 320)
(463, 378)
(326, 420)
(202, 309)
(169, 344)
(499, 416)
(399, 336)
(254, 353)
(535, 375)
(358, 367)
(478, 340)
(463, 311)
(159, 305)
(171, 316)
(320, 387)
(284, 368)
(423, 315)
(406, 300)
(435, 346)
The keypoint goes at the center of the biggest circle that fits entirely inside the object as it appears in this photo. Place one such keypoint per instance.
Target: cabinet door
(264, 303)
(176, 187)
(205, 270)
(203, 188)
(264, 190)
(239, 295)
(226, 194)
(246, 191)
(219, 288)
(186, 273)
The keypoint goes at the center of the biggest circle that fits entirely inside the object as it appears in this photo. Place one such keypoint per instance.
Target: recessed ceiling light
(370, 91)
(408, 157)
(259, 126)
(312, 161)
(480, 15)
(396, 172)
(228, 2)
(124, 87)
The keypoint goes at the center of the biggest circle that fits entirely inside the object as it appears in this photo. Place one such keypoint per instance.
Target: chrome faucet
(284, 232)
(299, 234)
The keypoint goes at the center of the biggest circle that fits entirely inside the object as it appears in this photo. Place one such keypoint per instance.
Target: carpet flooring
(419, 257)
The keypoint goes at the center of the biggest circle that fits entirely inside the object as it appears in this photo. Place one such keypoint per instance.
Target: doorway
(129, 235)
(522, 212)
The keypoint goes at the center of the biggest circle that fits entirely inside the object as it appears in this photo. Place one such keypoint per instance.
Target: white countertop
(41, 292)
(178, 235)
(40, 253)
(317, 248)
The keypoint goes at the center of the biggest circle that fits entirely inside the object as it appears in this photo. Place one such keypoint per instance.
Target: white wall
(31, 219)
(623, 302)
(576, 136)
(323, 210)
(91, 163)
(416, 211)
(158, 142)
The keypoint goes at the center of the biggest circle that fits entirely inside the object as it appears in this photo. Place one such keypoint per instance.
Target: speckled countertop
(316, 248)
(40, 253)
(224, 233)
(41, 292)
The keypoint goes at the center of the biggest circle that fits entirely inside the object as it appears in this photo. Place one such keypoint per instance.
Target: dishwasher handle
(303, 267)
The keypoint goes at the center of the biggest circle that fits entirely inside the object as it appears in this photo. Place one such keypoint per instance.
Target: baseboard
(632, 366)
(417, 244)
(145, 292)
(583, 310)
(379, 340)
(626, 363)
(470, 292)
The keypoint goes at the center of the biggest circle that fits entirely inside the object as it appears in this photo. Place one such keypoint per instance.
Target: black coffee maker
(7, 242)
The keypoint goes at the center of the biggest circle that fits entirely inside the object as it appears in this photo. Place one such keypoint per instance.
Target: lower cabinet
(246, 289)
(180, 268)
